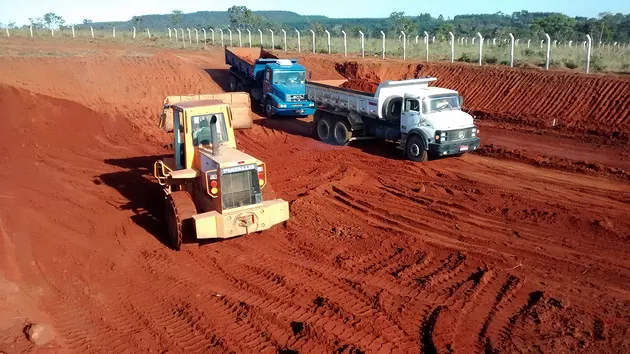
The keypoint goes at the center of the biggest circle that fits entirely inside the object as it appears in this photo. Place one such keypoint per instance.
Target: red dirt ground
(482, 253)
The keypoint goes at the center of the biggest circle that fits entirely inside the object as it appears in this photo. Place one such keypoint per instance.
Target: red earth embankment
(589, 103)
(110, 83)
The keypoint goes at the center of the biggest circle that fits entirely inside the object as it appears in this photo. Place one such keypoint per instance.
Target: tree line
(606, 27)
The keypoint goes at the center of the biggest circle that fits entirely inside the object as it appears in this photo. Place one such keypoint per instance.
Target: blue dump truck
(278, 85)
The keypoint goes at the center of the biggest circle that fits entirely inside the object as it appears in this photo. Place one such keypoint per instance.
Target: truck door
(267, 81)
(410, 116)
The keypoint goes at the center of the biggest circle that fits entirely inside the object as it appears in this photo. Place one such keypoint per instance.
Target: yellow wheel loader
(212, 189)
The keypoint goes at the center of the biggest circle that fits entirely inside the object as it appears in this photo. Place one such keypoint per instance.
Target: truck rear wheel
(341, 132)
(324, 129)
(415, 149)
(179, 212)
(232, 83)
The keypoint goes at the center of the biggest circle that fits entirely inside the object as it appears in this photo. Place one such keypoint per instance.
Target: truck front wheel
(268, 108)
(323, 129)
(415, 149)
(341, 133)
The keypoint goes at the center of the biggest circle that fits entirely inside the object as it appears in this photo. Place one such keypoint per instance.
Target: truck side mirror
(310, 74)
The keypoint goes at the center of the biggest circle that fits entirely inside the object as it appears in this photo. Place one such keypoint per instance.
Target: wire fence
(517, 52)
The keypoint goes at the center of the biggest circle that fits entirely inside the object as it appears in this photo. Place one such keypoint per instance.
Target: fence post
(383, 33)
(404, 37)
(196, 36)
(480, 47)
(284, 34)
(240, 43)
(73, 31)
(548, 51)
(261, 39)
(541, 43)
(176, 37)
(528, 42)
(249, 37)
(189, 36)
(328, 33)
(555, 43)
(7, 29)
(298, 37)
(134, 32)
(204, 36)
(313, 34)
(518, 39)
(114, 32)
(183, 37)
(230, 32)
(273, 44)
(170, 37)
(570, 44)
(363, 43)
(452, 46)
(345, 44)
(148, 33)
(511, 50)
(494, 42)
(221, 31)
(212, 31)
(31, 27)
(426, 40)
(588, 52)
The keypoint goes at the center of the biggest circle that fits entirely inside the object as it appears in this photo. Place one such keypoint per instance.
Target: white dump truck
(423, 120)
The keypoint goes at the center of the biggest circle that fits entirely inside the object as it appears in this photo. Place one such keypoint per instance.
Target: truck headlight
(282, 105)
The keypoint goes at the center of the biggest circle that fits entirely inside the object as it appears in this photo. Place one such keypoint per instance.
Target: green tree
(558, 26)
(176, 17)
(399, 22)
(240, 17)
(87, 22)
(53, 20)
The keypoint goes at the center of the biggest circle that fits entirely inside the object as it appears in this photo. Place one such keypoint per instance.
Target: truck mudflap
(216, 225)
(454, 148)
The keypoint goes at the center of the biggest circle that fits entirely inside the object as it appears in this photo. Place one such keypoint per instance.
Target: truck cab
(435, 114)
(278, 85)
(284, 91)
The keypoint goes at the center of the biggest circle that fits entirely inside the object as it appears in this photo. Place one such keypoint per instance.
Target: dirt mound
(590, 103)
(127, 85)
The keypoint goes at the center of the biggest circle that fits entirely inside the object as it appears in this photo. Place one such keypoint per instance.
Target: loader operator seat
(203, 135)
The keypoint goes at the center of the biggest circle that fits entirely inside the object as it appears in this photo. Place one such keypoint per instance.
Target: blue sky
(74, 11)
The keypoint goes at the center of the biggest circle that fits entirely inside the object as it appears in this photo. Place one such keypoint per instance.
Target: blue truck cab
(278, 85)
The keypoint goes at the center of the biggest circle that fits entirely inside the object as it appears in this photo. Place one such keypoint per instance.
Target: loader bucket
(239, 103)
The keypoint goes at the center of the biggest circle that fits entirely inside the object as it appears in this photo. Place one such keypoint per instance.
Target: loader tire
(179, 212)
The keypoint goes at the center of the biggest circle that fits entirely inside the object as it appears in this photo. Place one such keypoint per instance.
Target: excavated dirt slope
(471, 254)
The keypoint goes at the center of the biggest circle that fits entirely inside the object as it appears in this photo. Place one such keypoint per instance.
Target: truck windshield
(289, 77)
(201, 132)
(440, 103)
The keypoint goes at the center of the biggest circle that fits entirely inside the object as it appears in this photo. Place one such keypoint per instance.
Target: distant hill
(207, 19)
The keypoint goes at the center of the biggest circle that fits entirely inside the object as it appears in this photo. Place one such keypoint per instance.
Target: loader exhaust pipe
(213, 135)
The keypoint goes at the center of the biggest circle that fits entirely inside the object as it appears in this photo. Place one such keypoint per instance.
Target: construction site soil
(523, 246)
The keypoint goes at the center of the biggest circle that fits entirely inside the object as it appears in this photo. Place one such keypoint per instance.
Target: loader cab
(193, 122)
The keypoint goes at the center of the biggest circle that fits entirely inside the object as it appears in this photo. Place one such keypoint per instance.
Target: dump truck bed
(248, 61)
(330, 93)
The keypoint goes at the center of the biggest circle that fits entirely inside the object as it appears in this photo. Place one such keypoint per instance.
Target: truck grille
(460, 134)
(240, 188)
